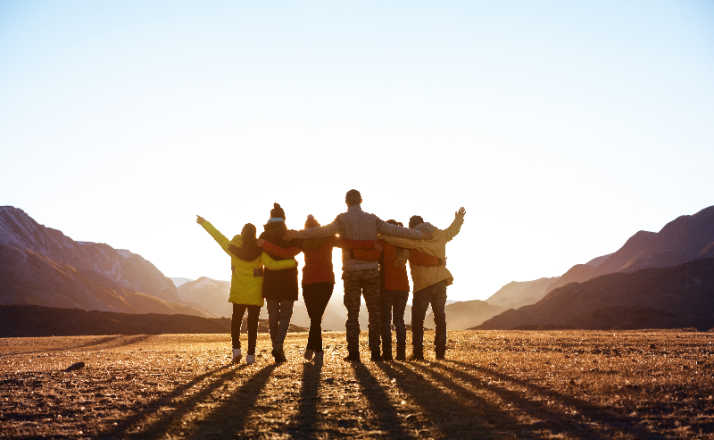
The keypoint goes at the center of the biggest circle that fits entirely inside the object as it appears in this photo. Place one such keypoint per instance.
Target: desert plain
(493, 384)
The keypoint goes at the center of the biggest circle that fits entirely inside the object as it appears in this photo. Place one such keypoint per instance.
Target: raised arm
(215, 233)
(455, 226)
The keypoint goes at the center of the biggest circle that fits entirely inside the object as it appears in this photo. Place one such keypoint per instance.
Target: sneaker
(319, 355)
(236, 355)
(250, 359)
(309, 353)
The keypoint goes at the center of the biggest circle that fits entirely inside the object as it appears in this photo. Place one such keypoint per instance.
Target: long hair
(249, 249)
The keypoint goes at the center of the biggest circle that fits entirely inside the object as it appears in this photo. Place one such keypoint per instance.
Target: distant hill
(686, 238)
(207, 295)
(462, 315)
(520, 293)
(178, 281)
(22, 321)
(679, 296)
(42, 266)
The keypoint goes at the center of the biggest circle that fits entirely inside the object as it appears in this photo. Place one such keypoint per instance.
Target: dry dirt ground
(493, 385)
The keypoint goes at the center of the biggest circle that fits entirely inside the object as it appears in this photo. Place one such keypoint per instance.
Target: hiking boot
(309, 353)
(236, 355)
(250, 359)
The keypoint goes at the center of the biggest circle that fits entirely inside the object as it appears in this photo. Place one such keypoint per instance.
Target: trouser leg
(286, 312)
(352, 300)
(398, 307)
(273, 320)
(322, 300)
(438, 305)
(253, 314)
(370, 290)
(386, 304)
(236, 320)
(309, 295)
(421, 302)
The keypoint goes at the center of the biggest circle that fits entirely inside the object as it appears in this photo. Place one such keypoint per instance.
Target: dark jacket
(279, 284)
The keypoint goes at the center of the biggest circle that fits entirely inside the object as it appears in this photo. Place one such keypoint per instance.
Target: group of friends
(374, 257)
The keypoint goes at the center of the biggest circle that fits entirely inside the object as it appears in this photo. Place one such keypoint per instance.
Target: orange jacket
(394, 269)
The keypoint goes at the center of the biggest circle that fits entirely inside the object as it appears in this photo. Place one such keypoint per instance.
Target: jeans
(357, 284)
(436, 296)
(279, 313)
(393, 303)
(237, 319)
(316, 297)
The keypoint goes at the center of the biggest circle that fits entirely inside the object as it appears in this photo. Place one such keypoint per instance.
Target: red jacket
(394, 270)
(318, 263)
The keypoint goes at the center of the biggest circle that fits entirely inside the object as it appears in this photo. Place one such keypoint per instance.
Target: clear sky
(562, 127)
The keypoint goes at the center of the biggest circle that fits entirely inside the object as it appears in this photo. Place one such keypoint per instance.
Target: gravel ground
(494, 384)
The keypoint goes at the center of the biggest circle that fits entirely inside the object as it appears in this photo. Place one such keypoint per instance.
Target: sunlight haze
(562, 129)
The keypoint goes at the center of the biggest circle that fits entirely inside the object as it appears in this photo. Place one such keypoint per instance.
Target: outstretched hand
(460, 213)
(200, 220)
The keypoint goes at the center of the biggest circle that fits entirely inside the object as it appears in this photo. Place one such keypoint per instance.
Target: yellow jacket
(246, 278)
(425, 276)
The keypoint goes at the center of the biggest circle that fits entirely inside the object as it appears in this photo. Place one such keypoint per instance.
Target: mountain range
(688, 238)
(42, 266)
(679, 296)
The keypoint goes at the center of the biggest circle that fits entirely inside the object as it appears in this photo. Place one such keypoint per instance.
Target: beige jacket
(426, 276)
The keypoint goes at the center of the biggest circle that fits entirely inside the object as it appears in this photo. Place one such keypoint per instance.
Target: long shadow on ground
(304, 425)
(379, 403)
(553, 421)
(615, 421)
(229, 418)
(453, 418)
(121, 430)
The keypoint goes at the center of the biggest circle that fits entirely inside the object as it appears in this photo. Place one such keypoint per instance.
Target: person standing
(427, 261)
(280, 287)
(361, 278)
(395, 293)
(247, 262)
(318, 282)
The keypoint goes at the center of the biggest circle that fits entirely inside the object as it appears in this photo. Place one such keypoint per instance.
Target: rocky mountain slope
(686, 238)
(40, 265)
(679, 296)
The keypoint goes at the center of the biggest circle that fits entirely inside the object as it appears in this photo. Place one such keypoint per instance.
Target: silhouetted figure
(361, 278)
(395, 293)
(247, 263)
(280, 287)
(427, 261)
